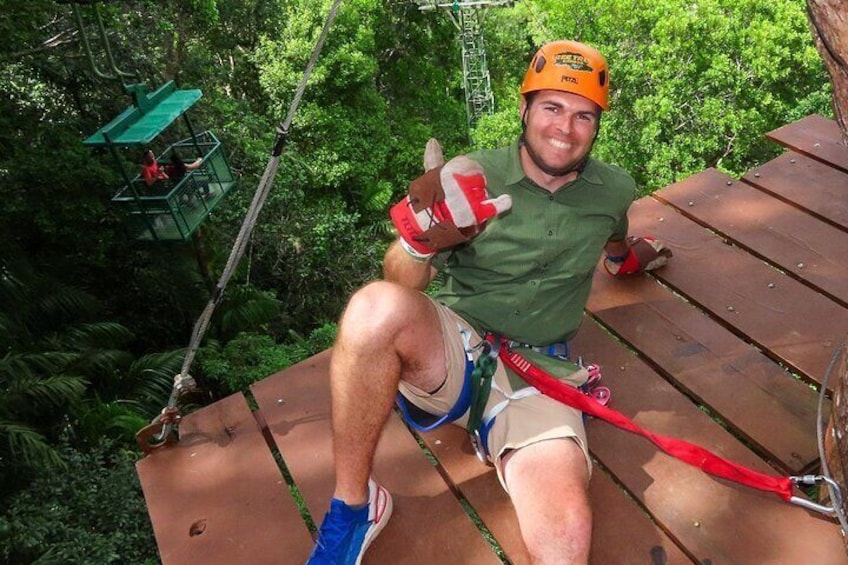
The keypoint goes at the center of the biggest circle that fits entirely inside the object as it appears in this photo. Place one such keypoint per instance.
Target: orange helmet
(569, 66)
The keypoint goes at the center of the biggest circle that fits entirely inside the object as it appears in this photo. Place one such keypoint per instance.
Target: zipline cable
(183, 382)
(835, 494)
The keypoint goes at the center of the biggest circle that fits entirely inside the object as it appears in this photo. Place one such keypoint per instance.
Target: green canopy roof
(147, 117)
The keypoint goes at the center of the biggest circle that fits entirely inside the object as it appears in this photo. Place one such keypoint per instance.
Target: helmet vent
(602, 77)
(540, 63)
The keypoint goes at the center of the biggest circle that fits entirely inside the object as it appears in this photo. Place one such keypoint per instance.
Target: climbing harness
(687, 452)
(478, 384)
(479, 424)
(422, 421)
(158, 432)
(478, 427)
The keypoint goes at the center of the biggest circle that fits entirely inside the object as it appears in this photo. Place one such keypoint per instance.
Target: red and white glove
(645, 254)
(446, 206)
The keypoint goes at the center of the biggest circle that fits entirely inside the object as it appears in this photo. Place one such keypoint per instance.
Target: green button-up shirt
(527, 276)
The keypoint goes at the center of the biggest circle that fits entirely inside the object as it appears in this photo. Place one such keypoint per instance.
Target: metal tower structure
(468, 19)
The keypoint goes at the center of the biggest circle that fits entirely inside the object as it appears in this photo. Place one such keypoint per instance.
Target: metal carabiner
(811, 480)
(479, 450)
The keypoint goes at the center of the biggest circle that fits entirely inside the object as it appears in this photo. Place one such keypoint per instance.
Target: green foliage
(313, 253)
(64, 370)
(93, 513)
(251, 357)
(497, 130)
(244, 308)
(695, 85)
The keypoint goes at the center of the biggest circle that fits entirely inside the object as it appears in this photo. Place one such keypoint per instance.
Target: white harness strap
(501, 406)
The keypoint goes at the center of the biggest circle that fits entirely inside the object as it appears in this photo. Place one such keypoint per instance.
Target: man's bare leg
(548, 483)
(387, 330)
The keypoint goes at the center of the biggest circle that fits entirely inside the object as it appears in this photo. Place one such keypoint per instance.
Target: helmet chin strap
(561, 172)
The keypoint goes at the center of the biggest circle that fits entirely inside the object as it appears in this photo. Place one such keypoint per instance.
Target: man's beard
(578, 165)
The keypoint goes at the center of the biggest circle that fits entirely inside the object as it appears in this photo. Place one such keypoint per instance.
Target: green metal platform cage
(166, 210)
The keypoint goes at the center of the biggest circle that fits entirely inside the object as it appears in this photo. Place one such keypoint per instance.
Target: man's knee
(548, 484)
(384, 310)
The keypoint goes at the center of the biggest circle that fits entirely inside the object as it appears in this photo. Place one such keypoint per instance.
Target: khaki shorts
(524, 421)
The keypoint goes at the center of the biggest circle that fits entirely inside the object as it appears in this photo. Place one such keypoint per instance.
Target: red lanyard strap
(687, 452)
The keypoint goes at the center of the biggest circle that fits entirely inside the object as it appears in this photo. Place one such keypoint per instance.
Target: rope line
(283, 128)
(183, 381)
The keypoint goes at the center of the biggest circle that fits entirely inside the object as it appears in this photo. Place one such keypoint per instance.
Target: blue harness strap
(422, 421)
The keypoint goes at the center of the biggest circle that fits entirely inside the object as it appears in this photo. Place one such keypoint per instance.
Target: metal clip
(158, 433)
(479, 451)
(811, 480)
(494, 349)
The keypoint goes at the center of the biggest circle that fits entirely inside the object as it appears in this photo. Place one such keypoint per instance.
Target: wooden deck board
(424, 505)
(714, 520)
(793, 240)
(815, 136)
(218, 496)
(788, 320)
(806, 183)
(738, 383)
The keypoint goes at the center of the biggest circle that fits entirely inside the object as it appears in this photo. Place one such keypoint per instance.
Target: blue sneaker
(346, 533)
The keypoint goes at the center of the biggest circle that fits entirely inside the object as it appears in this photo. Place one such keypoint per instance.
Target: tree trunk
(836, 434)
(829, 24)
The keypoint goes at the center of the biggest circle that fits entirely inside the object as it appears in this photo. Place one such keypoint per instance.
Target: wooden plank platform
(815, 136)
(724, 347)
(221, 467)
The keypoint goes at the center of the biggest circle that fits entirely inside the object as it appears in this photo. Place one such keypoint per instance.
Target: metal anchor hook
(811, 480)
(160, 432)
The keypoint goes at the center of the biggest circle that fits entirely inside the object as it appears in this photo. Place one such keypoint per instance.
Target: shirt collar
(515, 173)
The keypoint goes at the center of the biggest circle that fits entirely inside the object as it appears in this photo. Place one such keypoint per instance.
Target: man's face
(560, 129)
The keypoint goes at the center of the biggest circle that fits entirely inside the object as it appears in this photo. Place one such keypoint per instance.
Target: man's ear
(522, 107)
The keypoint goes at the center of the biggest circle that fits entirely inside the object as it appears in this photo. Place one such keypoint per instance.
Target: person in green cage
(151, 172)
(518, 232)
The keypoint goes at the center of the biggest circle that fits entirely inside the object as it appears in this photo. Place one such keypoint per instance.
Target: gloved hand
(645, 254)
(446, 206)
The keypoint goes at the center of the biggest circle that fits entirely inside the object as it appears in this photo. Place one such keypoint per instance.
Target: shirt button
(551, 197)
(550, 233)
(516, 313)
(532, 283)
